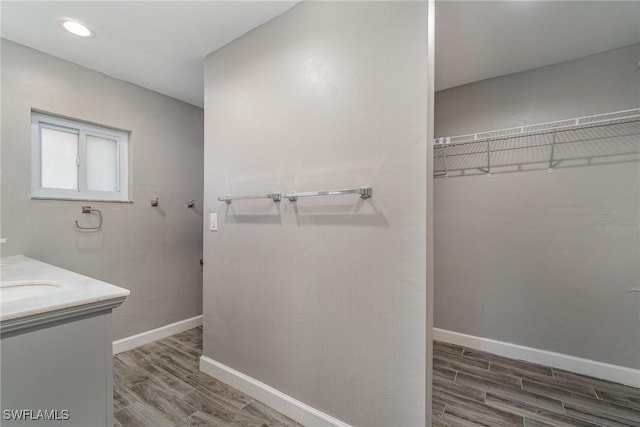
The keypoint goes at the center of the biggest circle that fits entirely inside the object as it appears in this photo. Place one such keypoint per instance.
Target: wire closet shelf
(602, 135)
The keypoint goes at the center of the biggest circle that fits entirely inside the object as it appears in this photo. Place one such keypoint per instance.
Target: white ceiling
(161, 45)
(477, 40)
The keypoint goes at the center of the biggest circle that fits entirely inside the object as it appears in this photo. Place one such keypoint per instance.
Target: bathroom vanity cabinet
(56, 346)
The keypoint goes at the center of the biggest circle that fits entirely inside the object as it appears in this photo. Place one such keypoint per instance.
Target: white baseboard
(287, 405)
(146, 337)
(592, 368)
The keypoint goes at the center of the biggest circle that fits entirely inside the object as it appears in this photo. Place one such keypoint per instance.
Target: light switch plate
(213, 222)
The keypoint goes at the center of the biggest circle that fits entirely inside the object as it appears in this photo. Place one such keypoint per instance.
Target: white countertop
(69, 290)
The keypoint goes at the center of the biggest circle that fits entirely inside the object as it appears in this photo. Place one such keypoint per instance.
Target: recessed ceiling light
(77, 28)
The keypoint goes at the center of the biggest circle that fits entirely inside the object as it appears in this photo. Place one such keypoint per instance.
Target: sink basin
(30, 290)
(22, 289)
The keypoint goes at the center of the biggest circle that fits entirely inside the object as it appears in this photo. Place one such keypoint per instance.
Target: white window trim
(40, 120)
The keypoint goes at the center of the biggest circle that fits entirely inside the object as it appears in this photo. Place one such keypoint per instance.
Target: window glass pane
(58, 157)
(102, 164)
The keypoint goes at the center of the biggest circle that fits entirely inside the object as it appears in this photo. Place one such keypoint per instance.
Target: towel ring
(88, 210)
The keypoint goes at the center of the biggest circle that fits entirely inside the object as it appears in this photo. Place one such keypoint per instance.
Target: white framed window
(78, 161)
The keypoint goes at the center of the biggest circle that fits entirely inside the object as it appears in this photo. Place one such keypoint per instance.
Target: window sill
(69, 199)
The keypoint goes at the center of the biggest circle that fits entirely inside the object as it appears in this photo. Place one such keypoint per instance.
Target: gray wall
(538, 259)
(154, 252)
(324, 300)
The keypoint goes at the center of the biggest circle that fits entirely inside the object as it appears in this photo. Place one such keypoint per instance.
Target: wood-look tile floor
(475, 388)
(159, 385)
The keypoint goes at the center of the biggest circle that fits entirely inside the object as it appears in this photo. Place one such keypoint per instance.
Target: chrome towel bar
(364, 192)
(276, 197)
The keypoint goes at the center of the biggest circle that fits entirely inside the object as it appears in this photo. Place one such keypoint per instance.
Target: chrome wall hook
(154, 202)
(191, 203)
